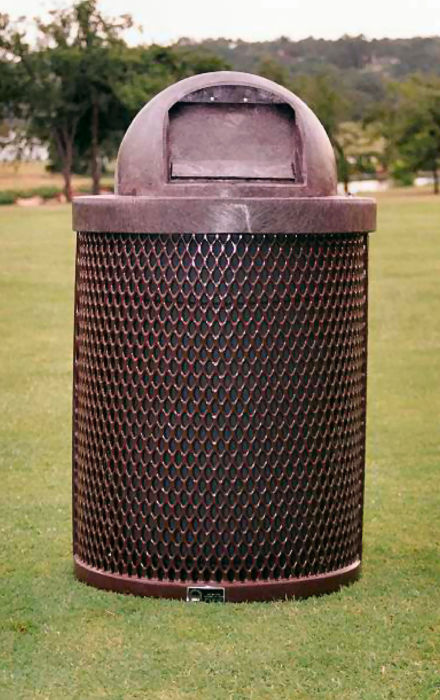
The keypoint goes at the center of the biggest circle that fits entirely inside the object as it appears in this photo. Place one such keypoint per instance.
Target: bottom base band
(235, 592)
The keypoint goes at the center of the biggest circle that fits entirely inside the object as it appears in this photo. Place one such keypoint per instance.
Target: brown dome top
(226, 134)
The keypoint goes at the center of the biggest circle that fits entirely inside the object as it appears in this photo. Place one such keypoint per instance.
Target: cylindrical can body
(219, 411)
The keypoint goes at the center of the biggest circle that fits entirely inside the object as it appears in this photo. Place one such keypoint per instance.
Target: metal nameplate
(205, 594)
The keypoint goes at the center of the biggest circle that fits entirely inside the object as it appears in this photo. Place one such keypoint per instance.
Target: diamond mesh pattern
(219, 404)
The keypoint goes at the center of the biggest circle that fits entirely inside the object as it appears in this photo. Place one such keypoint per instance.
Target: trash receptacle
(220, 353)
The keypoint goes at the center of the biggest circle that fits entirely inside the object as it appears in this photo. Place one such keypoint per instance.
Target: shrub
(7, 197)
(46, 191)
(24, 194)
(401, 174)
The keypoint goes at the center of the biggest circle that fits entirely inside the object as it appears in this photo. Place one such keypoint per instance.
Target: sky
(164, 21)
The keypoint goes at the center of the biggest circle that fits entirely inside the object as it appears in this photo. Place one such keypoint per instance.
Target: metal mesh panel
(219, 404)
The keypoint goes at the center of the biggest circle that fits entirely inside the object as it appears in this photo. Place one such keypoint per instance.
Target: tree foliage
(62, 79)
(79, 88)
(329, 103)
(401, 128)
(409, 121)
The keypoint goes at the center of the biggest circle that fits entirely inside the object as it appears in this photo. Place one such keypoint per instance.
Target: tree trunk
(436, 179)
(343, 166)
(95, 164)
(67, 176)
(67, 167)
(64, 143)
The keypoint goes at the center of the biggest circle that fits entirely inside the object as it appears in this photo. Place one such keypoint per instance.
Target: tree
(331, 105)
(362, 148)
(272, 70)
(65, 80)
(351, 51)
(409, 120)
(146, 70)
(80, 87)
(48, 99)
(418, 125)
(189, 61)
(98, 39)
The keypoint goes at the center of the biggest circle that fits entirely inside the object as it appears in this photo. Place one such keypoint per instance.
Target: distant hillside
(392, 57)
(360, 66)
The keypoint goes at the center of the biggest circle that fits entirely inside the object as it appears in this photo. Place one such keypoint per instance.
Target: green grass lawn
(379, 638)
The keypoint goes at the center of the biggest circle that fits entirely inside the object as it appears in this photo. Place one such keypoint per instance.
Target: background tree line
(78, 88)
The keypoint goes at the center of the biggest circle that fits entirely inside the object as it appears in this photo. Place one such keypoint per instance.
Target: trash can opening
(233, 132)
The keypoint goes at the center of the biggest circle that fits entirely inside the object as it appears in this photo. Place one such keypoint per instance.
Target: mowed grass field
(379, 638)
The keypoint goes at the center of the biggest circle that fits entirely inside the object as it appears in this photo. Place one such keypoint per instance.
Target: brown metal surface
(219, 411)
(222, 124)
(234, 592)
(113, 213)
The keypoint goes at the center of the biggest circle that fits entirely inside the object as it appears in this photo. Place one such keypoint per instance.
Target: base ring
(235, 592)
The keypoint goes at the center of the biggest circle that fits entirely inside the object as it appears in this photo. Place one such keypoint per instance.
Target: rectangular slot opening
(228, 141)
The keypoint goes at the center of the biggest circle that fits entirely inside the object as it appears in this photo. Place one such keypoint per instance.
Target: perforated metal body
(219, 411)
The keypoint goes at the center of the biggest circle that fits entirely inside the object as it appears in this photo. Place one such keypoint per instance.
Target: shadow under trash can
(220, 353)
